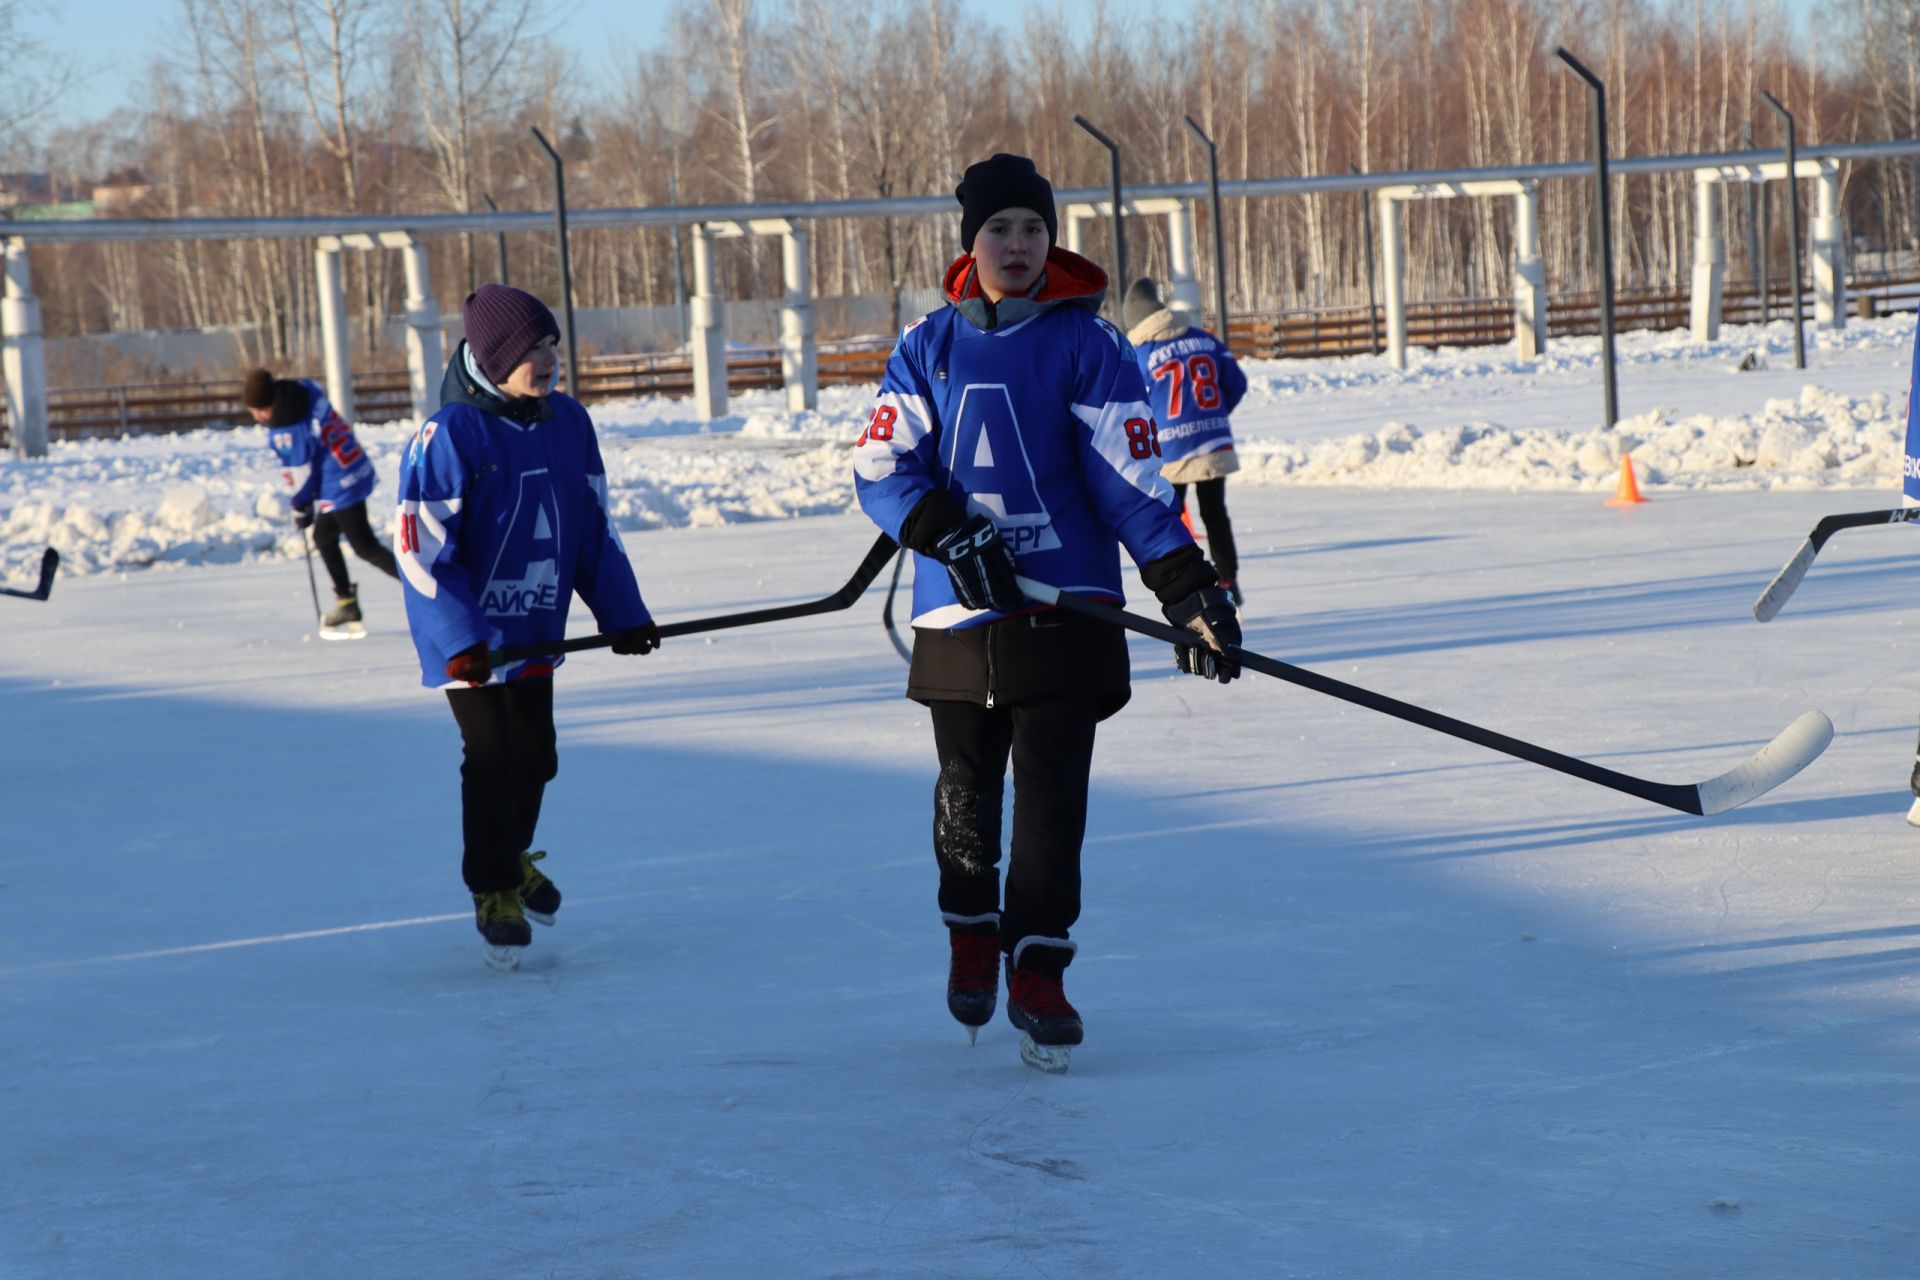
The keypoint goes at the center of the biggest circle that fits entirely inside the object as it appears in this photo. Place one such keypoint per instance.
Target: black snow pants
(1050, 742)
(1212, 501)
(330, 526)
(507, 733)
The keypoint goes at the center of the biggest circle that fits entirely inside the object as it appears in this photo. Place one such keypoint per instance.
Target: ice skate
(1913, 814)
(502, 923)
(1049, 1026)
(539, 896)
(973, 980)
(343, 622)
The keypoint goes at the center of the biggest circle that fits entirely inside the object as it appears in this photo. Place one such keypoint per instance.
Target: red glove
(642, 639)
(471, 665)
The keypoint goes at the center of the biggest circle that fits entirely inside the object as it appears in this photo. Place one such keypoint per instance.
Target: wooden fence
(382, 396)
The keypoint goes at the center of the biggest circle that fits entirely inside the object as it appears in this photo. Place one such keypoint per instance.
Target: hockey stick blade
(1791, 751)
(1788, 579)
(49, 561)
(876, 560)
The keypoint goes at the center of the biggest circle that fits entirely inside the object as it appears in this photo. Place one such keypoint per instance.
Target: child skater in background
(327, 471)
(1194, 382)
(1012, 435)
(503, 516)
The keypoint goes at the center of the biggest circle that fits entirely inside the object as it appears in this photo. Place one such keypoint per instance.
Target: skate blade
(538, 917)
(973, 1035)
(503, 959)
(1050, 1058)
(345, 631)
(1913, 814)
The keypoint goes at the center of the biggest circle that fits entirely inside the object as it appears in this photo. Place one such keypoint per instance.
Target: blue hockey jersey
(322, 460)
(1910, 462)
(1033, 413)
(503, 516)
(1194, 383)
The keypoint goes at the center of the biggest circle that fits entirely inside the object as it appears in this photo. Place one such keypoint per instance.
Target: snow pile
(1824, 439)
(1479, 419)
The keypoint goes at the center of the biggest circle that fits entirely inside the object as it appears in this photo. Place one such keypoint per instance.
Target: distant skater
(1194, 384)
(327, 472)
(503, 517)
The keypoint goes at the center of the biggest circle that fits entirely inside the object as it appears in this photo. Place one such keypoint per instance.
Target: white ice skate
(1913, 814)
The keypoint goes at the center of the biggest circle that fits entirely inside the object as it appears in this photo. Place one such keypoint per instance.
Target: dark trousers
(350, 522)
(507, 733)
(1050, 742)
(1212, 495)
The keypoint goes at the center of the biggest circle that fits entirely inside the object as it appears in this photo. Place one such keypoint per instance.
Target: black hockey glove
(981, 567)
(1208, 613)
(644, 638)
(302, 517)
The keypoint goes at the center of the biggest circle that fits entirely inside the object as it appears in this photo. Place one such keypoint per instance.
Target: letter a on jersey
(524, 576)
(988, 461)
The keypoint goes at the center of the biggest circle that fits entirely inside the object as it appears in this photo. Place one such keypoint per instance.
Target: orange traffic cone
(1628, 491)
(1186, 518)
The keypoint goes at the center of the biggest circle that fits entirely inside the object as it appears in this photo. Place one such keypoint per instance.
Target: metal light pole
(1793, 230)
(1366, 224)
(566, 263)
(500, 241)
(1219, 236)
(1121, 282)
(1603, 216)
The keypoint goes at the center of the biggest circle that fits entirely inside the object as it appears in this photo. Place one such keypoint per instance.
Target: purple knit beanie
(503, 324)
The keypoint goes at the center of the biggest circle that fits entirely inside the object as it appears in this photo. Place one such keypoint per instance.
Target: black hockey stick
(1788, 579)
(851, 590)
(1792, 750)
(886, 610)
(49, 561)
(313, 585)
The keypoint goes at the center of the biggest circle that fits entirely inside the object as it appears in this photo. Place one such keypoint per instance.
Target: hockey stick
(1788, 579)
(1792, 750)
(886, 610)
(306, 544)
(851, 590)
(49, 561)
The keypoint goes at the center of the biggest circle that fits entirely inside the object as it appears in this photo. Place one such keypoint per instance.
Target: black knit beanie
(503, 324)
(257, 391)
(1142, 300)
(1003, 182)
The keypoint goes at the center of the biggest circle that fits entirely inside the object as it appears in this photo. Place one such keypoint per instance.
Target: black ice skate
(343, 622)
(973, 980)
(1049, 1026)
(539, 896)
(503, 925)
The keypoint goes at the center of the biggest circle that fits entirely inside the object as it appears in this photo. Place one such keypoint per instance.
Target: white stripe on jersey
(1108, 423)
(420, 531)
(876, 459)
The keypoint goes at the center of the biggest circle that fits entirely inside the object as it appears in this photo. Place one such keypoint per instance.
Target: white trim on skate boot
(1913, 814)
(1050, 1058)
(502, 959)
(344, 631)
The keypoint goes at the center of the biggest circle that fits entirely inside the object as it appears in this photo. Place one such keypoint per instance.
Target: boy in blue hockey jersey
(1194, 383)
(1012, 433)
(503, 516)
(327, 472)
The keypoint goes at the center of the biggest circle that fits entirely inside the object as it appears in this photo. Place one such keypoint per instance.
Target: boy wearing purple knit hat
(503, 517)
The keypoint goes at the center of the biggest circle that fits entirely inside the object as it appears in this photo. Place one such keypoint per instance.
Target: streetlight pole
(1793, 230)
(1120, 282)
(1219, 232)
(566, 263)
(1603, 217)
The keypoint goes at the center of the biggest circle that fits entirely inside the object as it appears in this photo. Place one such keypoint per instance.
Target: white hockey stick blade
(1792, 749)
(1785, 582)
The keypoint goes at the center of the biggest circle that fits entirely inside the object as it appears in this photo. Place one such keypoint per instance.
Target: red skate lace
(1042, 997)
(976, 961)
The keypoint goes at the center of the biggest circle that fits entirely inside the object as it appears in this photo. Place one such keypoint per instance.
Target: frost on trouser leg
(966, 826)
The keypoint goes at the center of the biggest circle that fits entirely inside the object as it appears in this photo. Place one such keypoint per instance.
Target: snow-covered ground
(1362, 1000)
